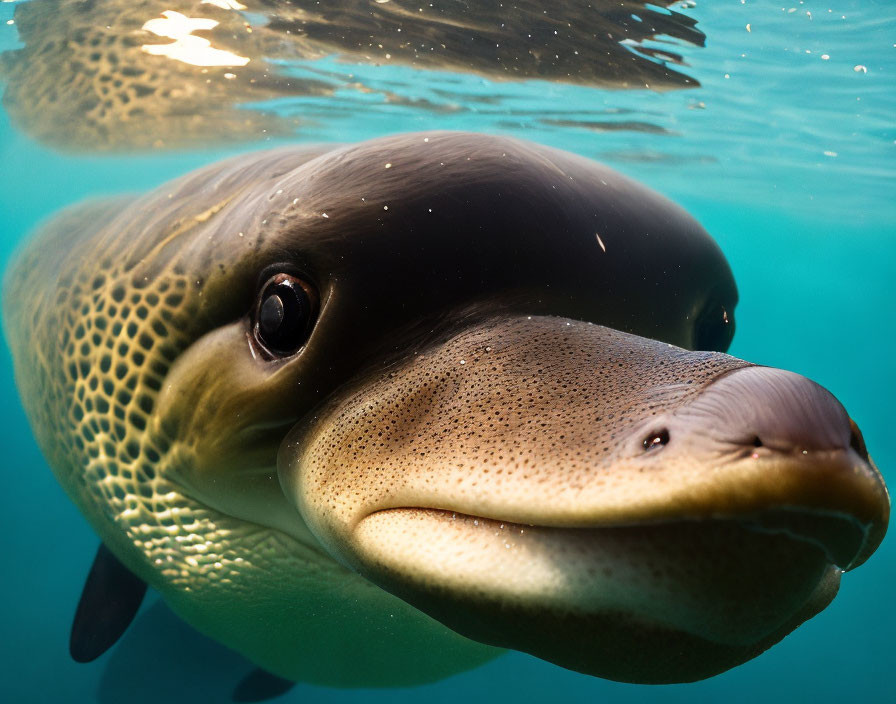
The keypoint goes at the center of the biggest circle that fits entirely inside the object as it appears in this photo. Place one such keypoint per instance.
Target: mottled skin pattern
(98, 345)
(131, 326)
(83, 82)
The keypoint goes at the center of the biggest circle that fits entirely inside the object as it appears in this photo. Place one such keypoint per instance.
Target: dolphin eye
(656, 439)
(284, 314)
(714, 329)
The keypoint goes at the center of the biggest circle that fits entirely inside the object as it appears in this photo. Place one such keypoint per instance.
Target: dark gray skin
(292, 375)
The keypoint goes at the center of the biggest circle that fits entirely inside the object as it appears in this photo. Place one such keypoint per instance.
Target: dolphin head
(289, 377)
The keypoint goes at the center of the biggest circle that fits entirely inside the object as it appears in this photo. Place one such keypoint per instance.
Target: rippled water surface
(771, 122)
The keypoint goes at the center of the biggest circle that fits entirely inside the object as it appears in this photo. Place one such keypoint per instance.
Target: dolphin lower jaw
(733, 563)
(562, 593)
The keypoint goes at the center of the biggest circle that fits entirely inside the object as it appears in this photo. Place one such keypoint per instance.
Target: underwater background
(784, 152)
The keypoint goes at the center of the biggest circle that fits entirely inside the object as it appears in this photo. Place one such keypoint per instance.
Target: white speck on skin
(600, 242)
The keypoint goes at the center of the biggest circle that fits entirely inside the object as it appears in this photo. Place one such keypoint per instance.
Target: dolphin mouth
(737, 576)
(732, 582)
(831, 500)
(838, 536)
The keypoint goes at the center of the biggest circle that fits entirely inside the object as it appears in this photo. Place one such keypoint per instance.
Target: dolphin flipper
(260, 685)
(112, 594)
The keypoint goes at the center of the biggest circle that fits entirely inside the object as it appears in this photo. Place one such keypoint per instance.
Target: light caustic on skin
(186, 47)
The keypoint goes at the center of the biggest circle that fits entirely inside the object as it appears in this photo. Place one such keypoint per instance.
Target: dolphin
(370, 414)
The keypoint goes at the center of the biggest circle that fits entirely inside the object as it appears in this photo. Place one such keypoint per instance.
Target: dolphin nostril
(656, 439)
(757, 441)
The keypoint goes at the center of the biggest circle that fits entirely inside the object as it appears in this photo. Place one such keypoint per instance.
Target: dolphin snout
(817, 478)
(778, 410)
(548, 485)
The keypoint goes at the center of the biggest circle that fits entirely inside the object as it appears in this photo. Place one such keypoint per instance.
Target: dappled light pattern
(89, 78)
(166, 74)
(106, 346)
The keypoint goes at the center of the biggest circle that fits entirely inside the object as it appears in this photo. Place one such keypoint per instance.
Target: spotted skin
(499, 481)
(99, 343)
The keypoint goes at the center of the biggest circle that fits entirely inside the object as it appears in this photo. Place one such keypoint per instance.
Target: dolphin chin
(699, 596)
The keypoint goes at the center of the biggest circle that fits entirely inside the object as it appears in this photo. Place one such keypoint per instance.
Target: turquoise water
(786, 157)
